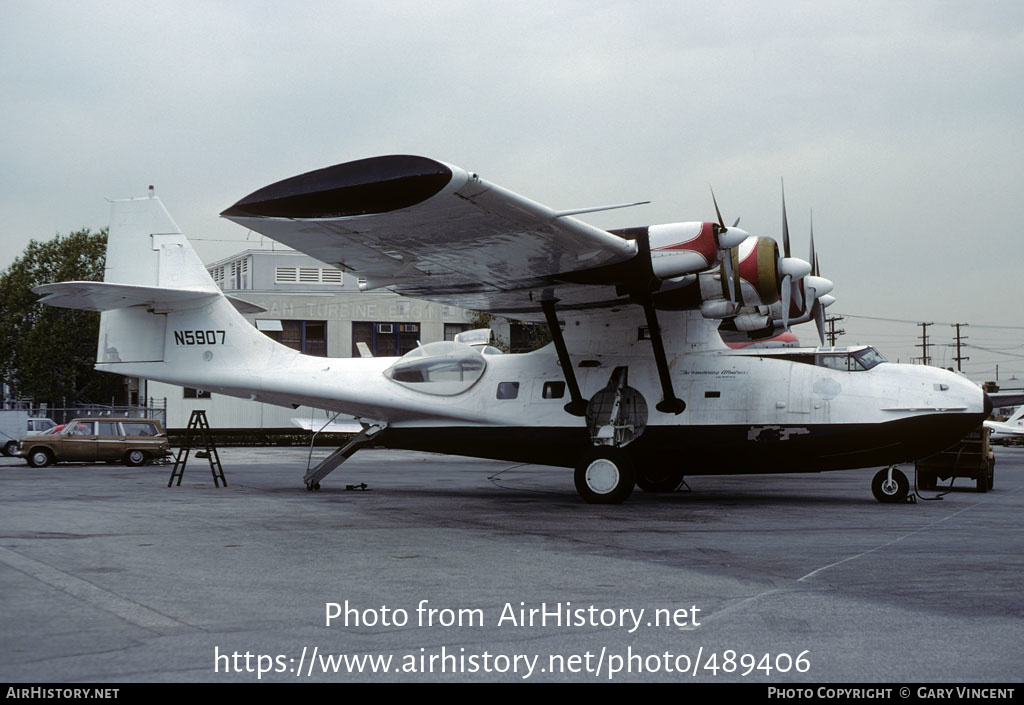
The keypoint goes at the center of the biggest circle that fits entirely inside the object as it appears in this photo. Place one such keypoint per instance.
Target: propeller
(790, 268)
(818, 288)
(727, 239)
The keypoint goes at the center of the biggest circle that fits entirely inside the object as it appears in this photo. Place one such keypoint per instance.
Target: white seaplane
(637, 387)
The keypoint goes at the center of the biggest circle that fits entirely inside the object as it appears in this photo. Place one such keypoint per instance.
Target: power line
(917, 323)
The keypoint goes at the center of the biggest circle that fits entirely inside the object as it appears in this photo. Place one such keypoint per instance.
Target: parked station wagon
(131, 441)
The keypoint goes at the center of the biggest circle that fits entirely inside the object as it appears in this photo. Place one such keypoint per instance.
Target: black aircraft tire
(894, 492)
(658, 479)
(605, 475)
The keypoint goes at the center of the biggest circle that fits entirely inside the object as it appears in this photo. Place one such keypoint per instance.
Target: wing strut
(578, 406)
(669, 403)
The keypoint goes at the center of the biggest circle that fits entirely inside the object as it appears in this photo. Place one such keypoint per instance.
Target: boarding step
(326, 466)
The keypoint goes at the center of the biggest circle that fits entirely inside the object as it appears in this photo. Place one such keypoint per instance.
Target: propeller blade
(819, 321)
(813, 259)
(727, 264)
(786, 248)
(785, 225)
(787, 286)
(717, 212)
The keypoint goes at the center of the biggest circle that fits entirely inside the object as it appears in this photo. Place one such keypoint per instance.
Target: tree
(47, 353)
(524, 336)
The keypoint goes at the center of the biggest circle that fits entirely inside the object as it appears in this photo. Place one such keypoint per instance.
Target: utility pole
(832, 333)
(925, 358)
(959, 357)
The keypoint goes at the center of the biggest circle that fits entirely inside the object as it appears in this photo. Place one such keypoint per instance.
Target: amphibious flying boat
(637, 387)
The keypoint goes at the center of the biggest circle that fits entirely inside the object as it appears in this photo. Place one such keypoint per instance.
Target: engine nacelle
(682, 248)
(755, 267)
(718, 308)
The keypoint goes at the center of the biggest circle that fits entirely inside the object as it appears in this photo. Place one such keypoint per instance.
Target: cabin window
(508, 390)
(553, 390)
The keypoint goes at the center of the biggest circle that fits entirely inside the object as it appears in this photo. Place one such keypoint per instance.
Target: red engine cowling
(682, 248)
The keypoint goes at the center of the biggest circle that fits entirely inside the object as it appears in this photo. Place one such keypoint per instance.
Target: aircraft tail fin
(1016, 416)
(158, 302)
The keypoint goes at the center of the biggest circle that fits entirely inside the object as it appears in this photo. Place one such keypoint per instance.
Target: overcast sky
(900, 124)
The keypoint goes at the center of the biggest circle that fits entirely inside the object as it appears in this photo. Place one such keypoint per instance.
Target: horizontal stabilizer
(104, 296)
(243, 306)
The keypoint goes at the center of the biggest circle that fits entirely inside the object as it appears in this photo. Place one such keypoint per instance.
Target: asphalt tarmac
(454, 569)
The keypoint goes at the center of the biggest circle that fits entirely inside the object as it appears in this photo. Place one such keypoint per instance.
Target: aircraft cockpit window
(834, 362)
(868, 358)
(857, 361)
(444, 368)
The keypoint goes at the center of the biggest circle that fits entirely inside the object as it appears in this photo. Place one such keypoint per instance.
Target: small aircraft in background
(637, 387)
(1012, 428)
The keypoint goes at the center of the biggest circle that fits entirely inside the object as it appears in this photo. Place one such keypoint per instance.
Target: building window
(286, 275)
(308, 337)
(217, 274)
(307, 275)
(453, 329)
(388, 339)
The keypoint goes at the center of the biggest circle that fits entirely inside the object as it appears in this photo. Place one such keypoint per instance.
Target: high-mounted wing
(434, 231)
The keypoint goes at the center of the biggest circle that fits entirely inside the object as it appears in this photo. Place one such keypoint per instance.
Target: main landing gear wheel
(605, 475)
(313, 487)
(658, 479)
(890, 489)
